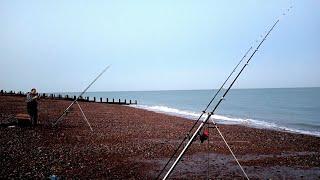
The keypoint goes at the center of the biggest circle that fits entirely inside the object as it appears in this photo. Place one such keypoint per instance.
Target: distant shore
(134, 143)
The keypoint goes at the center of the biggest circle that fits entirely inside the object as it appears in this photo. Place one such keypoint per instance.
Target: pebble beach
(131, 143)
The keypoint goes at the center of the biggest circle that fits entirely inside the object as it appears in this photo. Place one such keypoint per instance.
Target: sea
(294, 110)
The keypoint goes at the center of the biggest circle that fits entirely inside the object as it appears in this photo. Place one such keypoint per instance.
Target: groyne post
(70, 97)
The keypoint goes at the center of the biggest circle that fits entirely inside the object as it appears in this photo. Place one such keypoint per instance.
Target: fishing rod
(217, 105)
(203, 112)
(76, 100)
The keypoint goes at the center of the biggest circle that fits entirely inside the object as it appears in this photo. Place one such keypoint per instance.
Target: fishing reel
(204, 135)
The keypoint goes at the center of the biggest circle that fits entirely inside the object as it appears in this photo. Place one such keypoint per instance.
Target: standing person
(32, 106)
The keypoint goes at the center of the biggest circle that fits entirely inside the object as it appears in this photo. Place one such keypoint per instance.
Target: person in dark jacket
(32, 106)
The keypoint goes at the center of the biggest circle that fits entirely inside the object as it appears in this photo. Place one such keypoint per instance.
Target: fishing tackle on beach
(204, 135)
(76, 101)
(203, 112)
(209, 114)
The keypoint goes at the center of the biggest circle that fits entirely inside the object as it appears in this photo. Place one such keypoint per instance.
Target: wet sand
(130, 143)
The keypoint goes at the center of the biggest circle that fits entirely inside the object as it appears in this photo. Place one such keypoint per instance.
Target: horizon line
(300, 87)
(185, 89)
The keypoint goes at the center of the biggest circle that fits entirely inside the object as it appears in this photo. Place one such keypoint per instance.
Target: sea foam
(223, 119)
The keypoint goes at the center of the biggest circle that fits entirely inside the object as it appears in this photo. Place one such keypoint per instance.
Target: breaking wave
(222, 119)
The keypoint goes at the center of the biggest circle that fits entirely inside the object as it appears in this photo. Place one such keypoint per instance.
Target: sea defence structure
(72, 98)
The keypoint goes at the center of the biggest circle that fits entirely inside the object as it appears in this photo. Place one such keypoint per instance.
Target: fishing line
(84, 91)
(219, 102)
(203, 112)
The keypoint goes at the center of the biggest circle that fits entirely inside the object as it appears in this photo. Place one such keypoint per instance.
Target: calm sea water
(287, 109)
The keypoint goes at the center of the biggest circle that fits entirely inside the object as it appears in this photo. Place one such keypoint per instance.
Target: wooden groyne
(71, 98)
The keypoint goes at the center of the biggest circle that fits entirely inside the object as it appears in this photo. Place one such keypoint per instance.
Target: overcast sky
(156, 45)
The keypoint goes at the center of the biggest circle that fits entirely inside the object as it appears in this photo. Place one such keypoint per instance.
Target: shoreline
(250, 123)
(226, 119)
(134, 143)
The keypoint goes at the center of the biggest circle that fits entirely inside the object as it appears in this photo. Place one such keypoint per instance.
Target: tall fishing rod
(217, 105)
(203, 112)
(84, 91)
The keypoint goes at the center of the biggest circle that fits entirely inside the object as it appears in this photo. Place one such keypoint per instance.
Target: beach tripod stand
(211, 113)
(66, 111)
